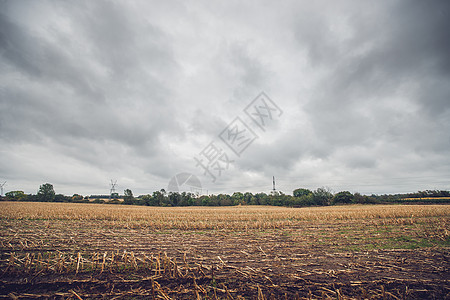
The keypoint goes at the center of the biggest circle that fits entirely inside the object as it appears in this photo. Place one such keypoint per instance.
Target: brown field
(89, 251)
(428, 198)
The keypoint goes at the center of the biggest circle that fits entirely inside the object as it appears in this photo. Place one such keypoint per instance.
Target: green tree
(322, 196)
(362, 199)
(248, 198)
(61, 198)
(77, 198)
(187, 199)
(159, 198)
(15, 196)
(225, 200)
(343, 197)
(149, 200)
(213, 200)
(276, 198)
(237, 199)
(175, 198)
(46, 193)
(301, 192)
(128, 197)
(261, 199)
(204, 200)
(305, 200)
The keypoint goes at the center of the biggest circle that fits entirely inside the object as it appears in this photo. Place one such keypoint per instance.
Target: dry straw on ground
(88, 251)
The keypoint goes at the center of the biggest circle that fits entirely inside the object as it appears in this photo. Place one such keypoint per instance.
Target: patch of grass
(161, 232)
(399, 242)
(445, 243)
(359, 247)
(407, 242)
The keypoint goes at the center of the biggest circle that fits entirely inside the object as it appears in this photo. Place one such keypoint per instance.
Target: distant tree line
(427, 194)
(301, 197)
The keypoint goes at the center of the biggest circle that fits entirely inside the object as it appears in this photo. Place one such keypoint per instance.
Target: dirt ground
(63, 259)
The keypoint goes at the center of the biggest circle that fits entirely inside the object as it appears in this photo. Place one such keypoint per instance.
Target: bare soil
(75, 259)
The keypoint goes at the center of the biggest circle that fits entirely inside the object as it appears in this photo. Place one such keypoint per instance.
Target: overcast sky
(358, 91)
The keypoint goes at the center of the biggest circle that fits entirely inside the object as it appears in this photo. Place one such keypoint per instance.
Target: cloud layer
(93, 91)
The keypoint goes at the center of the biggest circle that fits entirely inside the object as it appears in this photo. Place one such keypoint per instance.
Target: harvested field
(88, 251)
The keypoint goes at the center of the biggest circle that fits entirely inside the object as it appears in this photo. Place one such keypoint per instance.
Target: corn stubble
(201, 218)
(98, 251)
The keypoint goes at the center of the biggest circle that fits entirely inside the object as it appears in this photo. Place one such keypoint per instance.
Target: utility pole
(113, 189)
(1, 187)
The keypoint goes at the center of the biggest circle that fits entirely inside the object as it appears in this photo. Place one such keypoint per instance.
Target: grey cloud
(40, 60)
(95, 116)
(358, 157)
(204, 123)
(410, 48)
(252, 74)
(278, 152)
(112, 89)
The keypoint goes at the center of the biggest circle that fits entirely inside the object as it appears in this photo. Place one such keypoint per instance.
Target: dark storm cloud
(39, 59)
(250, 71)
(84, 102)
(93, 90)
(90, 83)
(381, 103)
(393, 51)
